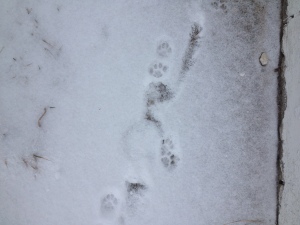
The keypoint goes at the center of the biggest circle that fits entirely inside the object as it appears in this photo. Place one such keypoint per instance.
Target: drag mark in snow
(188, 60)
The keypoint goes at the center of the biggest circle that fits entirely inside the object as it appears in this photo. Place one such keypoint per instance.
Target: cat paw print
(220, 4)
(168, 158)
(158, 69)
(164, 49)
(109, 204)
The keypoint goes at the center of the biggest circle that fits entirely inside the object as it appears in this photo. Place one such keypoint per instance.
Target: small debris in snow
(39, 121)
(28, 10)
(263, 59)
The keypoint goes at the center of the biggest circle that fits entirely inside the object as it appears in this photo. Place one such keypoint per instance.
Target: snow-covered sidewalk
(138, 112)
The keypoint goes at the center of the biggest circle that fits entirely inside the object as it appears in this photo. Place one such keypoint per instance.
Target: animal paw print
(109, 204)
(135, 188)
(158, 69)
(220, 4)
(164, 49)
(158, 92)
(168, 158)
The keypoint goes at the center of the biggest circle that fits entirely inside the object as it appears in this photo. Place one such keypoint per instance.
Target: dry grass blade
(40, 119)
(35, 156)
(25, 162)
(47, 43)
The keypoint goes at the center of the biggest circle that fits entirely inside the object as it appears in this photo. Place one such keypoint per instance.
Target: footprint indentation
(135, 188)
(135, 200)
(168, 157)
(150, 117)
(158, 69)
(164, 49)
(158, 92)
(109, 204)
(220, 4)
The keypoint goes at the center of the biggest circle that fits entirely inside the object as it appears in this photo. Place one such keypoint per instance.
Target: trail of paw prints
(169, 158)
(164, 49)
(158, 69)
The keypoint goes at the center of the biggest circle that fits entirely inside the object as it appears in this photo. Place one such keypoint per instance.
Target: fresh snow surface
(138, 112)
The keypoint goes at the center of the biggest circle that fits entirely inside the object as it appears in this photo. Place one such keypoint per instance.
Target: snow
(89, 135)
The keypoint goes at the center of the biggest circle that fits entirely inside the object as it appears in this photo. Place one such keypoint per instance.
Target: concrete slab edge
(282, 104)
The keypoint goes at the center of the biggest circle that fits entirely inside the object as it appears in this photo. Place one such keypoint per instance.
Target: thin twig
(25, 162)
(39, 121)
(40, 157)
(1, 49)
(249, 221)
(34, 167)
(46, 49)
(47, 43)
